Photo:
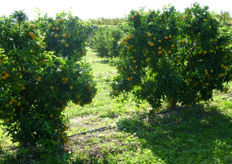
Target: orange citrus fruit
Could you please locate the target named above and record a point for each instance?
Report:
(7, 75)
(32, 26)
(64, 35)
(31, 34)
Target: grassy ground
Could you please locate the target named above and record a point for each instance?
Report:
(202, 134)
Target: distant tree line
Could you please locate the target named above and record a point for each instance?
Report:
(225, 17)
(106, 21)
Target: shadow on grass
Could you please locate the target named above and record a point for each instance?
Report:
(91, 161)
(196, 135)
(105, 61)
(26, 157)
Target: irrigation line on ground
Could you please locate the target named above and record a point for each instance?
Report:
(90, 131)
(85, 132)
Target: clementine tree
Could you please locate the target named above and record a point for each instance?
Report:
(36, 84)
(172, 56)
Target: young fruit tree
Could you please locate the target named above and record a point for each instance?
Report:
(36, 84)
(172, 56)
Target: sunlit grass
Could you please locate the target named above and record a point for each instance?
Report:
(103, 104)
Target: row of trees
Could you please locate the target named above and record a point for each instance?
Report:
(106, 21)
(223, 16)
(105, 40)
(162, 55)
(172, 56)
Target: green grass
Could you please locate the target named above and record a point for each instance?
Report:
(103, 104)
(198, 135)
(202, 134)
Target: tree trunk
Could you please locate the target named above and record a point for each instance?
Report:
(172, 103)
(24, 144)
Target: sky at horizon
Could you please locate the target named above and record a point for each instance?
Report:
(103, 8)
